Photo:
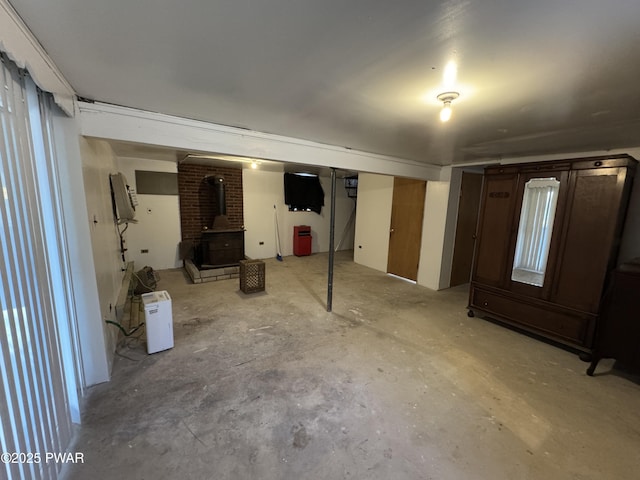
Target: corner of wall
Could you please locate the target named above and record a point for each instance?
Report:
(98, 161)
(450, 228)
(91, 339)
(434, 228)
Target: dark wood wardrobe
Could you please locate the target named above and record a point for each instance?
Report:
(547, 240)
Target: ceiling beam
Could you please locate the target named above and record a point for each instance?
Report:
(131, 125)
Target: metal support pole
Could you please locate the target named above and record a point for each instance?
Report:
(332, 227)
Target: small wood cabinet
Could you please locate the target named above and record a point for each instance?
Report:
(619, 329)
(592, 196)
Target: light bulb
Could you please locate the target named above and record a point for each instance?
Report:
(446, 98)
(254, 165)
(445, 113)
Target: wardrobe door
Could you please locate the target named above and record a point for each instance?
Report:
(592, 225)
(495, 227)
(539, 215)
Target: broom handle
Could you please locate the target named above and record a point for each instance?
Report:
(278, 252)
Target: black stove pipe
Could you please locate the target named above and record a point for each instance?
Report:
(219, 191)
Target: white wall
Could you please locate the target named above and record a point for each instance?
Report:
(158, 217)
(375, 198)
(264, 189)
(159, 231)
(373, 220)
(90, 327)
(433, 234)
(98, 161)
(261, 191)
(453, 205)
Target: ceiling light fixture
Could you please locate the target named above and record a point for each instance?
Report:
(446, 98)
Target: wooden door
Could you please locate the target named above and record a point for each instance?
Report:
(495, 228)
(405, 234)
(522, 288)
(589, 239)
(469, 205)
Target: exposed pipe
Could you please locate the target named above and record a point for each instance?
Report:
(332, 227)
(219, 188)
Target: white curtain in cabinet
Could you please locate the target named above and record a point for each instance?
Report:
(534, 231)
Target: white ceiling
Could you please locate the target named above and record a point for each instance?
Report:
(535, 77)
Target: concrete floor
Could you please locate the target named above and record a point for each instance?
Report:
(396, 383)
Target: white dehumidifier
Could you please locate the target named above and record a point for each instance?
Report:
(158, 321)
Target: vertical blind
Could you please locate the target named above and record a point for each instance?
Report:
(34, 389)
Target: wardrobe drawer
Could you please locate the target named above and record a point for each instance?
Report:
(561, 324)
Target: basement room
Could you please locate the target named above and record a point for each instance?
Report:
(319, 240)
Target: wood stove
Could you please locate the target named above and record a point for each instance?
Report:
(222, 248)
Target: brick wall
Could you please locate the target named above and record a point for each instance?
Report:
(198, 203)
